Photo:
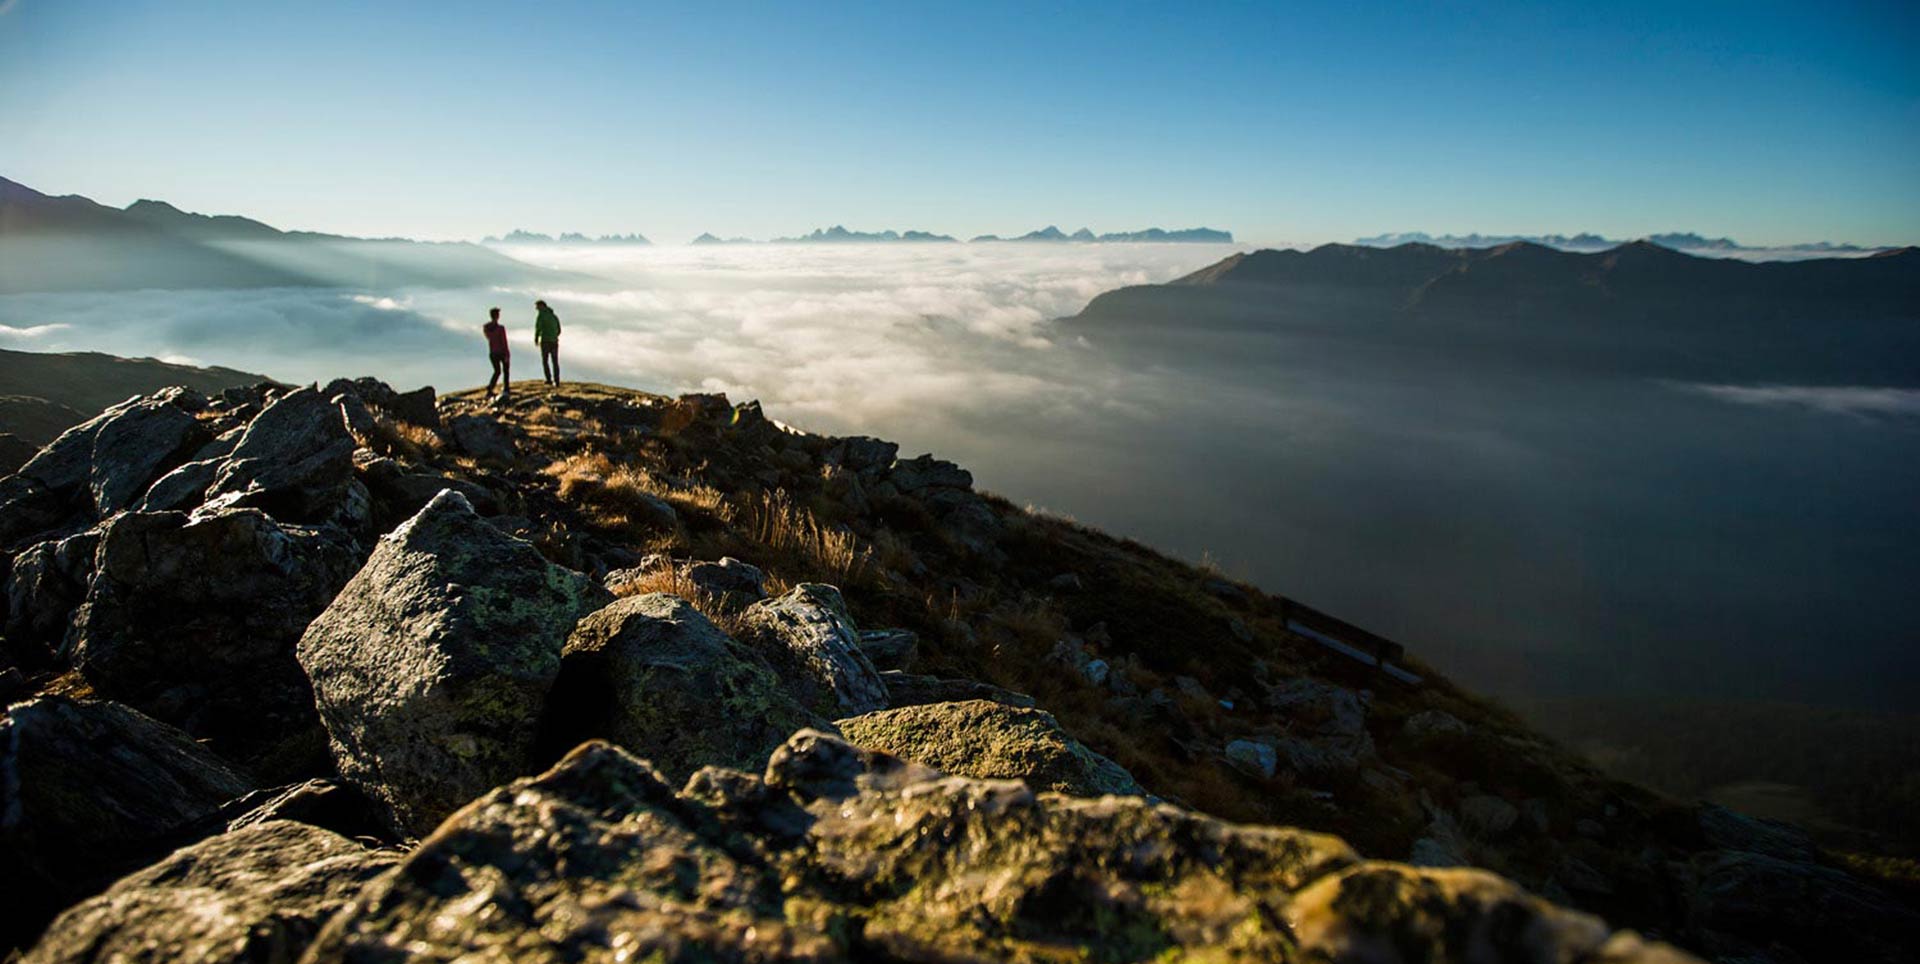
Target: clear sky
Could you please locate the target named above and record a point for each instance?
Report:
(1769, 122)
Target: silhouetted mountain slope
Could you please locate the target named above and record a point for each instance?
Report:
(72, 243)
(1638, 308)
(88, 381)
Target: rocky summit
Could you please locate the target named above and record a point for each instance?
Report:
(344, 673)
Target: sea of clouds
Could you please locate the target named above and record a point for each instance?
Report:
(1534, 533)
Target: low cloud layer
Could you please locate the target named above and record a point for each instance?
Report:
(1540, 534)
(1856, 400)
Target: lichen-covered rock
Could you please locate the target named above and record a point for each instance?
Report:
(1381, 913)
(809, 636)
(988, 740)
(193, 621)
(252, 896)
(431, 666)
(295, 460)
(655, 676)
(836, 853)
(89, 791)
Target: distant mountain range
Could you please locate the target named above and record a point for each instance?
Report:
(1586, 241)
(73, 243)
(1639, 308)
(571, 237)
(1052, 233)
(842, 235)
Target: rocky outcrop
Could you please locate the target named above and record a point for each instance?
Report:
(193, 620)
(482, 437)
(47, 582)
(139, 444)
(1327, 732)
(431, 667)
(836, 853)
(253, 896)
(988, 740)
(890, 649)
(809, 636)
(729, 578)
(89, 791)
(295, 460)
(653, 675)
(1393, 913)
(101, 465)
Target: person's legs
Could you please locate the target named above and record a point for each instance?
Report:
(496, 374)
(506, 376)
(550, 361)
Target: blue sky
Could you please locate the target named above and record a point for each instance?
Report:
(1768, 122)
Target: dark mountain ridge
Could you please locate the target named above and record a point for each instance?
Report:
(1639, 307)
(73, 243)
(1589, 241)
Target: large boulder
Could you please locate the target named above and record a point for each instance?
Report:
(138, 445)
(989, 740)
(46, 582)
(809, 636)
(295, 460)
(483, 438)
(89, 791)
(50, 492)
(193, 620)
(431, 667)
(254, 896)
(652, 674)
(1392, 913)
(836, 853)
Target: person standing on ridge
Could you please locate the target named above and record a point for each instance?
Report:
(497, 352)
(546, 336)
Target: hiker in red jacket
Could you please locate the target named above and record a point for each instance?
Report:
(497, 352)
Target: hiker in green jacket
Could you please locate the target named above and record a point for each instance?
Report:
(546, 335)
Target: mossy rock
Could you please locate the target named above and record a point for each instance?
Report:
(989, 740)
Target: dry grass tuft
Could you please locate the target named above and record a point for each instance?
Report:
(672, 579)
(771, 519)
(404, 440)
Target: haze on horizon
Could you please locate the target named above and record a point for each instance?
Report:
(1774, 124)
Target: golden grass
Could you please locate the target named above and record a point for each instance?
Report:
(771, 519)
(614, 493)
(672, 579)
(405, 440)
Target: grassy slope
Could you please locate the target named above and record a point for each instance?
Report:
(590, 453)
